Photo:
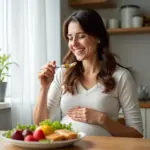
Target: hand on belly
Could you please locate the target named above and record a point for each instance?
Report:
(86, 115)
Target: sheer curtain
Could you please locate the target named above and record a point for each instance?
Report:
(29, 35)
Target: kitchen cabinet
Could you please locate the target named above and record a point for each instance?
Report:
(143, 114)
(148, 123)
(92, 3)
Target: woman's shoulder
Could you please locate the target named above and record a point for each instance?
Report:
(121, 72)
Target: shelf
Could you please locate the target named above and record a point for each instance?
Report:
(4, 105)
(92, 3)
(129, 30)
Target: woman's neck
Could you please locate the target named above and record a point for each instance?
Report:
(91, 67)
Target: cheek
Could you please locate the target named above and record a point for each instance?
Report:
(70, 45)
(92, 46)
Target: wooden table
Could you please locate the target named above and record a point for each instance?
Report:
(96, 143)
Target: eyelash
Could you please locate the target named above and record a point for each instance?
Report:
(80, 37)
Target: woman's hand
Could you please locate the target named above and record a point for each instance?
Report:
(46, 75)
(87, 115)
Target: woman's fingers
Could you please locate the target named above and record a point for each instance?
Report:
(45, 73)
(80, 119)
(52, 64)
(79, 114)
(78, 110)
(48, 69)
(88, 115)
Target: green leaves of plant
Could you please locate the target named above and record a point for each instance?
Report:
(4, 66)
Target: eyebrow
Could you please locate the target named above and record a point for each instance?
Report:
(76, 33)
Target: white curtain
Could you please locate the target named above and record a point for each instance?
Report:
(30, 31)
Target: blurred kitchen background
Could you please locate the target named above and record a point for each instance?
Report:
(131, 44)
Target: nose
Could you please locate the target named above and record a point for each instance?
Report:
(74, 42)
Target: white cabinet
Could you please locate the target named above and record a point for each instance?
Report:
(147, 121)
(143, 114)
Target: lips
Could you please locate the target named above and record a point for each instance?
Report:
(78, 51)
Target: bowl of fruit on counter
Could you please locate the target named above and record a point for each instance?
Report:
(46, 135)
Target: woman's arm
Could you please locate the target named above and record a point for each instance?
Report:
(117, 129)
(50, 94)
(93, 116)
(127, 95)
(41, 112)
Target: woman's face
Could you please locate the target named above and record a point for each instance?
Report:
(82, 45)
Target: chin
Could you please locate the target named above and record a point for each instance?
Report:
(80, 58)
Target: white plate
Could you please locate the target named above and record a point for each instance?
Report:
(42, 144)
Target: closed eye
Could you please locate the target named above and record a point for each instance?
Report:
(81, 36)
(78, 36)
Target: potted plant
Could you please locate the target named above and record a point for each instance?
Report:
(4, 67)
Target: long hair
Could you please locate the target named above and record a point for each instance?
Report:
(92, 24)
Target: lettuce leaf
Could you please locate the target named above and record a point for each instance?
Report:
(23, 127)
(8, 133)
(56, 125)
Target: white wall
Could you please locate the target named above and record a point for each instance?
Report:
(65, 12)
(134, 50)
(53, 30)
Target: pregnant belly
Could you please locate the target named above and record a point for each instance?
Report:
(89, 129)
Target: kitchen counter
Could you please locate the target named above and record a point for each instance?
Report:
(96, 143)
(144, 104)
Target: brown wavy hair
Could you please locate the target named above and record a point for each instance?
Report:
(92, 24)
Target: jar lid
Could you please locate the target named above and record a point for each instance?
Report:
(125, 6)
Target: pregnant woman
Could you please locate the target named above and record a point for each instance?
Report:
(91, 93)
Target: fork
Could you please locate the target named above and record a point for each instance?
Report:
(66, 65)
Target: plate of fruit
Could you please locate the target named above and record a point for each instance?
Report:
(46, 135)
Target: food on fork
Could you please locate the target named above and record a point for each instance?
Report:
(69, 65)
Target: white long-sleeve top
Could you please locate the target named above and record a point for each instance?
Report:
(123, 96)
